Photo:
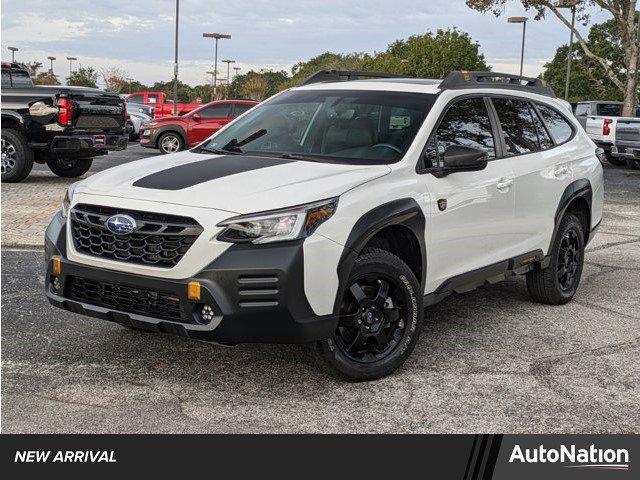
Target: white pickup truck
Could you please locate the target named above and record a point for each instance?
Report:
(618, 136)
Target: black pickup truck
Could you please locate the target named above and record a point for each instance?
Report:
(64, 127)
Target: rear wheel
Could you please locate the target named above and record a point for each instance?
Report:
(380, 320)
(558, 283)
(69, 167)
(17, 157)
(170, 142)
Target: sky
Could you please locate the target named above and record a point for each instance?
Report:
(138, 36)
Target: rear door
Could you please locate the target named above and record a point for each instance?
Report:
(471, 212)
(211, 119)
(532, 136)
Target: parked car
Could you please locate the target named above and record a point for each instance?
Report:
(64, 127)
(599, 119)
(172, 134)
(135, 119)
(627, 142)
(133, 107)
(332, 213)
(161, 106)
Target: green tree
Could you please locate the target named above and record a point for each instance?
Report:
(588, 79)
(83, 77)
(429, 55)
(325, 61)
(624, 25)
(46, 78)
(268, 81)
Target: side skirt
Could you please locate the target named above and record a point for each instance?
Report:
(488, 275)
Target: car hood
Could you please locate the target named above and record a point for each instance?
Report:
(234, 183)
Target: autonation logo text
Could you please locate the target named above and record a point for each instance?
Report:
(592, 457)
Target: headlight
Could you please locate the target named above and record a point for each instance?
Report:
(68, 197)
(278, 225)
(149, 124)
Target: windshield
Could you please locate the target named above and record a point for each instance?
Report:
(344, 126)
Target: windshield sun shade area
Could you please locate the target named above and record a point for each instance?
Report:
(337, 126)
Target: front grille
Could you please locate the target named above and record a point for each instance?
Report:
(159, 240)
(149, 303)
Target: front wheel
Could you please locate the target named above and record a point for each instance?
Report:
(170, 143)
(633, 164)
(69, 167)
(380, 320)
(558, 283)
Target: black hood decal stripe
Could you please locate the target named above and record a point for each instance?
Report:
(190, 174)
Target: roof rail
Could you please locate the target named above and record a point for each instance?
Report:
(461, 79)
(338, 75)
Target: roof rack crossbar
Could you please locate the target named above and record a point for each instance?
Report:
(338, 75)
(461, 79)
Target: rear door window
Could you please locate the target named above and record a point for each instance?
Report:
(518, 130)
(221, 110)
(152, 98)
(543, 134)
(558, 126)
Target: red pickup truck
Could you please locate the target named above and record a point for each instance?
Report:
(161, 106)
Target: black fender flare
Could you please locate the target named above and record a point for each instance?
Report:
(403, 212)
(171, 128)
(578, 189)
(11, 116)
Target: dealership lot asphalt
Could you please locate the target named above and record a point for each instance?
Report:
(487, 361)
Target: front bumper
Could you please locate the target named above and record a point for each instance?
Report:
(257, 294)
(149, 137)
(87, 143)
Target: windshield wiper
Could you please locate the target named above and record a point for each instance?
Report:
(221, 151)
(235, 145)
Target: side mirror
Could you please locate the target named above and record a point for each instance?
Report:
(460, 158)
(196, 117)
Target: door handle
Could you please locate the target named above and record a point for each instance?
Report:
(504, 184)
(560, 171)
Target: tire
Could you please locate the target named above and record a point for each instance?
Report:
(69, 167)
(633, 164)
(618, 162)
(17, 157)
(356, 351)
(548, 285)
(170, 142)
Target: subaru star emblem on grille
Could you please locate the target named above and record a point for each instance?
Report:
(121, 224)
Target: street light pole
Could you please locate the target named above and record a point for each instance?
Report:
(71, 59)
(51, 59)
(216, 37)
(228, 62)
(570, 54)
(175, 64)
(523, 21)
(213, 76)
(13, 51)
(237, 69)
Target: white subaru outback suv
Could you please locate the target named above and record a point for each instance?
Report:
(333, 212)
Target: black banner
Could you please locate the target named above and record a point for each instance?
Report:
(459, 457)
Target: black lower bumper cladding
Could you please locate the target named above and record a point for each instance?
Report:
(256, 294)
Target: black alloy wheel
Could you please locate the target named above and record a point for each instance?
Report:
(569, 260)
(371, 319)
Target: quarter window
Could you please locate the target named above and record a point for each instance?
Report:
(559, 128)
(518, 129)
(466, 123)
